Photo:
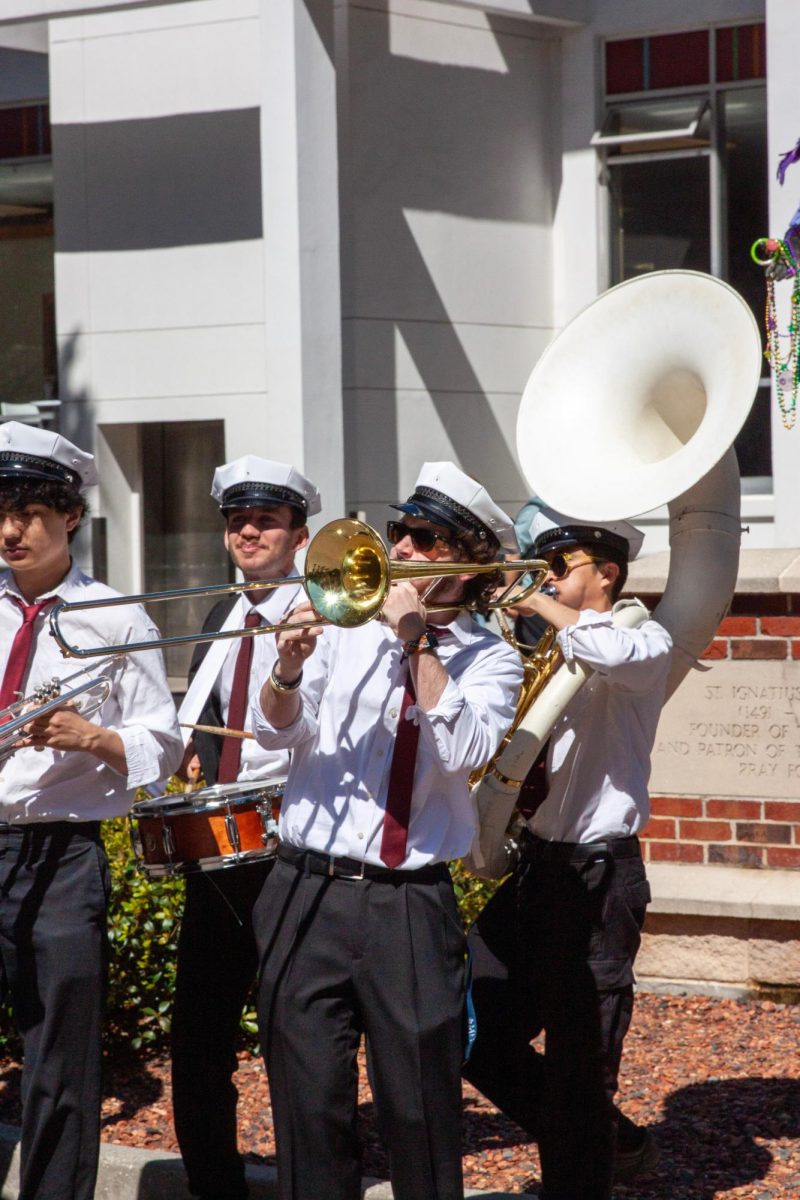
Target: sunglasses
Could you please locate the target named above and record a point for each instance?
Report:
(561, 564)
(421, 539)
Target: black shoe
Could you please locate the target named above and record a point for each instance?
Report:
(643, 1160)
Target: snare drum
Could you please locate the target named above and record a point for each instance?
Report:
(215, 827)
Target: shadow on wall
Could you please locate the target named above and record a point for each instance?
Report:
(458, 141)
(419, 136)
(76, 422)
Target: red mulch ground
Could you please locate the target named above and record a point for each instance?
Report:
(717, 1080)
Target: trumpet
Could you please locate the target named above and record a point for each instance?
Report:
(47, 697)
(347, 579)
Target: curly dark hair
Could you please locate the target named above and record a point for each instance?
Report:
(62, 497)
(479, 591)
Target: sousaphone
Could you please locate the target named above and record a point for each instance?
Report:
(636, 404)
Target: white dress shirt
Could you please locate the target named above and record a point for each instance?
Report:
(55, 785)
(257, 763)
(344, 737)
(598, 760)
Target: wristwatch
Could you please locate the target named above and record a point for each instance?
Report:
(426, 641)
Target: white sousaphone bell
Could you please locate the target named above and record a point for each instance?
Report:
(644, 391)
(636, 404)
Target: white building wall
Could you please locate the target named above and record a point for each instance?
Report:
(153, 311)
(197, 261)
(448, 191)
(159, 289)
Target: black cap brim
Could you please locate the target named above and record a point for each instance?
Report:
(593, 536)
(433, 506)
(428, 512)
(16, 468)
(260, 495)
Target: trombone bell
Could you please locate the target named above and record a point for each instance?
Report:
(347, 575)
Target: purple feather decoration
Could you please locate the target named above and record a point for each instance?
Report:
(791, 156)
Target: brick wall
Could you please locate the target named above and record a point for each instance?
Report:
(741, 832)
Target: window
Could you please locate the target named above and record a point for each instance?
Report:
(684, 139)
(183, 529)
(28, 357)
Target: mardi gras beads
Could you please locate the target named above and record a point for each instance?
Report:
(777, 254)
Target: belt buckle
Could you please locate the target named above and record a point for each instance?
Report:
(341, 875)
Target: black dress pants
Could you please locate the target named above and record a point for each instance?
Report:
(54, 887)
(553, 950)
(217, 965)
(341, 958)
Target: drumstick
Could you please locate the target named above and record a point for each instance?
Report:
(240, 733)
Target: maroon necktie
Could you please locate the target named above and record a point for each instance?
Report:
(535, 787)
(11, 687)
(401, 776)
(401, 783)
(231, 757)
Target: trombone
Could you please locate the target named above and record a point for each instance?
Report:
(347, 579)
(49, 696)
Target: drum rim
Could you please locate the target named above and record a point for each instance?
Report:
(197, 866)
(172, 803)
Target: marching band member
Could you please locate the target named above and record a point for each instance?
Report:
(69, 773)
(357, 925)
(554, 948)
(265, 505)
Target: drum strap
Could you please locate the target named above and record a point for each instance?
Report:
(200, 688)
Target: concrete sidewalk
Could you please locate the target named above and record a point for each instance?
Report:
(129, 1174)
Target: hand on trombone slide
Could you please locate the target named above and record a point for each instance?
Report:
(297, 641)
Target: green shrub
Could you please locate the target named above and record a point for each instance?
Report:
(144, 920)
(471, 893)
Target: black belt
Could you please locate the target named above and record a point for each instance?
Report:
(90, 829)
(536, 849)
(315, 863)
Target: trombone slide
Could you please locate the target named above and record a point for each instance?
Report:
(348, 577)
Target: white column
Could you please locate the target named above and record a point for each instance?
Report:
(299, 163)
(783, 55)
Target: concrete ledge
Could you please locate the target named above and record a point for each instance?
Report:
(690, 987)
(759, 571)
(129, 1174)
(718, 891)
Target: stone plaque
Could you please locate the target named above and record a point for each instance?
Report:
(731, 731)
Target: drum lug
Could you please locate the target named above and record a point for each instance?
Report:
(232, 830)
(136, 840)
(168, 841)
(269, 828)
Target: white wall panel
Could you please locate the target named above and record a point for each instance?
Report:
(448, 298)
(455, 357)
(207, 67)
(174, 288)
(133, 16)
(621, 18)
(245, 412)
(491, 271)
(444, 144)
(166, 362)
(389, 442)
